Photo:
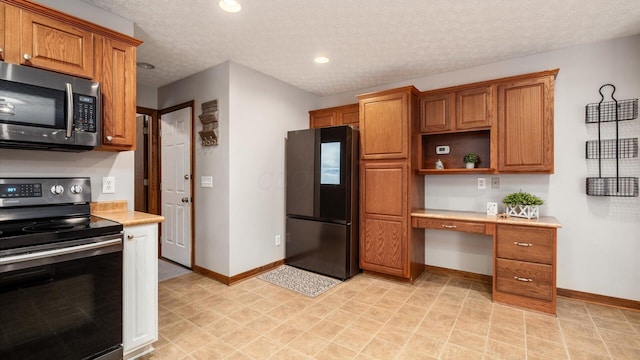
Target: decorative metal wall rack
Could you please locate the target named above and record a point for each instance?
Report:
(611, 111)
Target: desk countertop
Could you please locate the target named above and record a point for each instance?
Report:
(117, 211)
(543, 221)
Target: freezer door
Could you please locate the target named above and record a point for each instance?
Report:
(300, 168)
(321, 247)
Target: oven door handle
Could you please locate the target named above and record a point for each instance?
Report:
(69, 110)
(59, 252)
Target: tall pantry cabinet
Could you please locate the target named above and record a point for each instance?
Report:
(389, 185)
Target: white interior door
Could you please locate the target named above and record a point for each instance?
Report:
(175, 142)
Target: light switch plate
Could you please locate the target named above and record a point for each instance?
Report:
(206, 181)
(492, 208)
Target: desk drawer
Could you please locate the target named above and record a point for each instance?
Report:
(451, 225)
(525, 279)
(525, 243)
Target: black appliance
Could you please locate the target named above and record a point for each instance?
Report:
(60, 273)
(322, 201)
(47, 111)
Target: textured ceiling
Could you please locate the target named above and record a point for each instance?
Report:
(369, 42)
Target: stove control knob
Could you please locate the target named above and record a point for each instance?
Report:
(57, 189)
(76, 189)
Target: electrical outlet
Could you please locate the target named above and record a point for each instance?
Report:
(482, 183)
(108, 185)
(278, 240)
(495, 183)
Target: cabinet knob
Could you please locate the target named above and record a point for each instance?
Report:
(0, 50)
(109, 138)
(129, 236)
(26, 57)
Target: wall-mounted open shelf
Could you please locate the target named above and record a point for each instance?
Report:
(460, 143)
(611, 111)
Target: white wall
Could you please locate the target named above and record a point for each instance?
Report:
(262, 110)
(211, 204)
(598, 245)
(93, 164)
(146, 96)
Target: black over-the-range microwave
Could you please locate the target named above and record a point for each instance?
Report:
(45, 110)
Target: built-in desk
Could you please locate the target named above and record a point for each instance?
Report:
(524, 253)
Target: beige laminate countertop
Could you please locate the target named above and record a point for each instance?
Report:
(117, 211)
(543, 221)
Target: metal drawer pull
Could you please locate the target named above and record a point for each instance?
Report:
(523, 279)
(523, 244)
(449, 226)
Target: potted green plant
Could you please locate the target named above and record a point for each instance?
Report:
(522, 204)
(470, 159)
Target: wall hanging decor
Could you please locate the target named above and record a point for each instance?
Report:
(612, 111)
(209, 120)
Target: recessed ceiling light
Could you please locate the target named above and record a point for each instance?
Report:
(321, 60)
(145, 65)
(231, 6)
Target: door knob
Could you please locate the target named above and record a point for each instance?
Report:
(186, 177)
(185, 199)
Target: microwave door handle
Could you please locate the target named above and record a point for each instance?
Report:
(69, 110)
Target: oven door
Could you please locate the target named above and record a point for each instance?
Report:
(63, 303)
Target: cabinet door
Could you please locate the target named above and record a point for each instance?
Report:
(525, 126)
(435, 113)
(118, 87)
(140, 282)
(349, 115)
(383, 237)
(322, 118)
(384, 127)
(2, 31)
(53, 45)
(473, 108)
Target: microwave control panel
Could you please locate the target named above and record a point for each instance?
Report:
(84, 113)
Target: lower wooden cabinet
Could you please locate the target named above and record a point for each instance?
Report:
(140, 289)
(525, 267)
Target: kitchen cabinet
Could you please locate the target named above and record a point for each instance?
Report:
(389, 187)
(55, 41)
(335, 116)
(456, 110)
(116, 61)
(525, 267)
(140, 288)
(385, 124)
(54, 45)
(2, 31)
(525, 125)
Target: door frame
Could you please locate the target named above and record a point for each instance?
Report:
(152, 160)
(157, 161)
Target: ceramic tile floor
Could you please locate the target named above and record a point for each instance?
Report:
(367, 317)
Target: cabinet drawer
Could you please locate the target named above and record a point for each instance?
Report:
(451, 225)
(525, 279)
(526, 243)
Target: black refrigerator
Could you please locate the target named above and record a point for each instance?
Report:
(322, 201)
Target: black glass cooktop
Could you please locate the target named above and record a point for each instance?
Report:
(23, 233)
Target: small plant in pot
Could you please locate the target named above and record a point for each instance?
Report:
(470, 159)
(522, 204)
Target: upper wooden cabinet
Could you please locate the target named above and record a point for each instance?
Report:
(117, 62)
(456, 110)
(525, 125)
(2, 31)
(436, 112)
(339, 115)
(38, 36)
(54, 45)
(385, 123)
(473, 108)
